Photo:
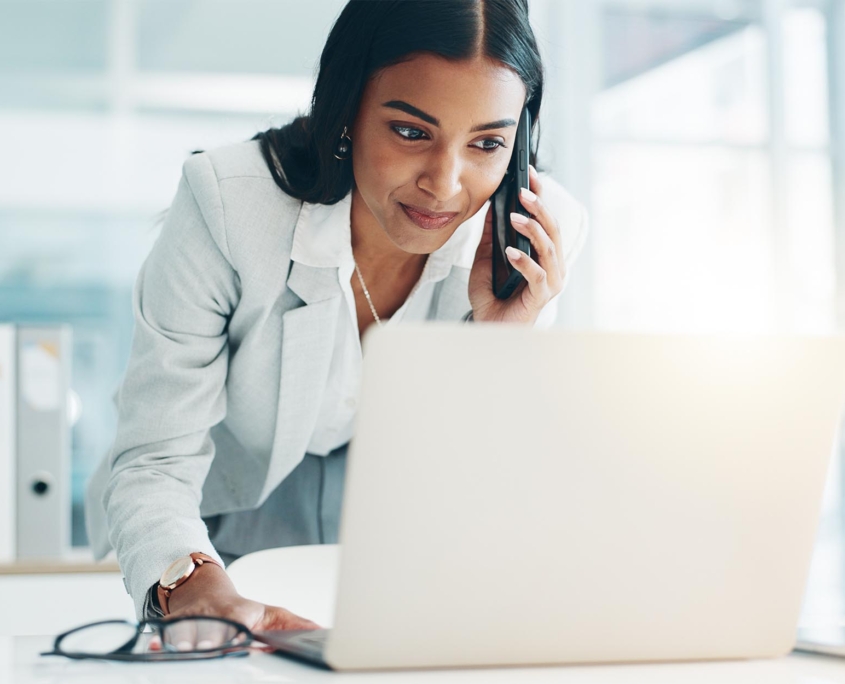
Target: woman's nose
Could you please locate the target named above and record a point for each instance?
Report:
(442, 177)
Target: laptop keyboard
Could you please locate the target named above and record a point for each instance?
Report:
(316, 639)
(307, 644)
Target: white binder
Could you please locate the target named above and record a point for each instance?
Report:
(43, 451)
(8, 419)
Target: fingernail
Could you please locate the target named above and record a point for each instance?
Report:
(519, 218)
(527, 194)
(513, 253)
(205, 645)
(184, 646)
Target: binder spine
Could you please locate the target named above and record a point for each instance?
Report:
(8, 443)
(44, 457)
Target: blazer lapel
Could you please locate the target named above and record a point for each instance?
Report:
(453, 298)
(308, 339)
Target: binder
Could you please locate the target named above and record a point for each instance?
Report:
(43, 442)
(8, 419)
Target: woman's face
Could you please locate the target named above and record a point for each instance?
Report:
(436, 135)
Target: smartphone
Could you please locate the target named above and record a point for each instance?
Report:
(505, 200)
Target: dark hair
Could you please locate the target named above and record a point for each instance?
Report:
(370, 35)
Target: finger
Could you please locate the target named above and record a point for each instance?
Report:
(265, 648)
(213, 634)
(279, 618)
(487, 233)
(484, 251)
(154, 644)
(543, 247)
(180, 636)
(534, 275)
(535, 206)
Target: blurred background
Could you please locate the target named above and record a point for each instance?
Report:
(706, 137)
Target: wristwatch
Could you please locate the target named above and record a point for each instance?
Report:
(177, 573)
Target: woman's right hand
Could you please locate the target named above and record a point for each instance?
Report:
(210, 592)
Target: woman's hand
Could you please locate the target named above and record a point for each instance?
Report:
(210, 592)
(544, 271)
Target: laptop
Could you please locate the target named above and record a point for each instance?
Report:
(525, 497)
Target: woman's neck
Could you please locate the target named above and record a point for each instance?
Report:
(373, 251)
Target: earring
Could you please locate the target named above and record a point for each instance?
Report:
(344, 148)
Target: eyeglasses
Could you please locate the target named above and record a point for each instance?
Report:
(182, 638)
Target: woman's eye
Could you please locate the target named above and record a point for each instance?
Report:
(399, 130)
(496, 145)
(411, 133)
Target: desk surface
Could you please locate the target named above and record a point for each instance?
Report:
(21, 664)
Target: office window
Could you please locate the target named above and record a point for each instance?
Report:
(713, 189)
(712, 192)
(227, 36)
(101, 101)
(49, 36)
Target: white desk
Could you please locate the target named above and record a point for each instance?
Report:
(302, 579)
(20, 664)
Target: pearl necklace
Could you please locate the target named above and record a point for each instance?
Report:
(367, 292)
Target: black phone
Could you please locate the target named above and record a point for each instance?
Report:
(505, 200)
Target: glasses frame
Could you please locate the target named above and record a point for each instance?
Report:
(124, 653)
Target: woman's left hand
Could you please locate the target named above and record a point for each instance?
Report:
(544, 271)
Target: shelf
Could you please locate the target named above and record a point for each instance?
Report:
(57, 567)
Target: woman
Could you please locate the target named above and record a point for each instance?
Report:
(275, 257)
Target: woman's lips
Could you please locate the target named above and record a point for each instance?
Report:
(426, 220)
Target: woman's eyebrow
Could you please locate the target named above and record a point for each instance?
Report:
(428, 118)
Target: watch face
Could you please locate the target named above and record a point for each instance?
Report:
(177, 570)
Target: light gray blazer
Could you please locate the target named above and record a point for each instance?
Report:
(230, 356)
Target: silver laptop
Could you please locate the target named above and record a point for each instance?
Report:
(517, 496)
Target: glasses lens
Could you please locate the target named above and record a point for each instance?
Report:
(200, 634)
(99, 639)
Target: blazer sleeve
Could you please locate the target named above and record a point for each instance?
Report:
(573, 222)
(174, 389)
